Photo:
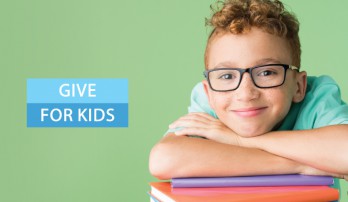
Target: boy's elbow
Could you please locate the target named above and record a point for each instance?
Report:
(160, 163)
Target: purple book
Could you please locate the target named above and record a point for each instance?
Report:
(253, 181)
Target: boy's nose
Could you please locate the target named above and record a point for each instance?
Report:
(247, 90)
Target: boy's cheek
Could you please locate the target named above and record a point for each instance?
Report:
(219, 101)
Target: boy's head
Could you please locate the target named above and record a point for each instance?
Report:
(260, 39)
(239, 16)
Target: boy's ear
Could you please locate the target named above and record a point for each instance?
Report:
(207, 92)
(301, 82)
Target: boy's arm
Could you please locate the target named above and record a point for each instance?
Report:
(324, 148)
(181, 156)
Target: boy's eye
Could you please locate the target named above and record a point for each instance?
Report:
(267, 73)
(226, 76)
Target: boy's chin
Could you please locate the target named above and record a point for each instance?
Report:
(247, 135)
(248, 128)
(250, 132)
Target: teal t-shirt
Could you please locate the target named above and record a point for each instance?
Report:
(322, 105)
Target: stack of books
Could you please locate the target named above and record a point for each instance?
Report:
(270, 188)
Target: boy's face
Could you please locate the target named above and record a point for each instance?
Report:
(250, 111)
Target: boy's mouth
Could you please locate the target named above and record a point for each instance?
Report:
(249, 112)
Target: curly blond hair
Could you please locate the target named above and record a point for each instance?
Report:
(239, 16)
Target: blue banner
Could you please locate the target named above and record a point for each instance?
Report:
(77, 90)
(77, 103)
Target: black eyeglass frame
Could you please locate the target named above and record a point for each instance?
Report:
(249, 70)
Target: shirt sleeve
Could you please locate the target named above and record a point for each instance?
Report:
(323, 105)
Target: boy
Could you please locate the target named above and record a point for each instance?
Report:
(256, 111)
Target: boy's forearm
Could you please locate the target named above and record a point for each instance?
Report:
(323, 148)
(181, 156)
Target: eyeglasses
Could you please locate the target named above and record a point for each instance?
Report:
(264, 76)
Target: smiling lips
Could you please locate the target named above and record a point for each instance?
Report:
(249, 112)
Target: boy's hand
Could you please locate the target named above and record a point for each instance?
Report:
(204, 125)
(307, 170)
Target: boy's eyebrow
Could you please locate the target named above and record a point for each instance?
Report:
(257, 63)
(267, 61)
(224, 64)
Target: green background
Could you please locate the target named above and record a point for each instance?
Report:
(158, 46)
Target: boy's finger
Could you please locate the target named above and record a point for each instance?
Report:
(203, 115)
(191, 131)
(193, 119)
(188, 123)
